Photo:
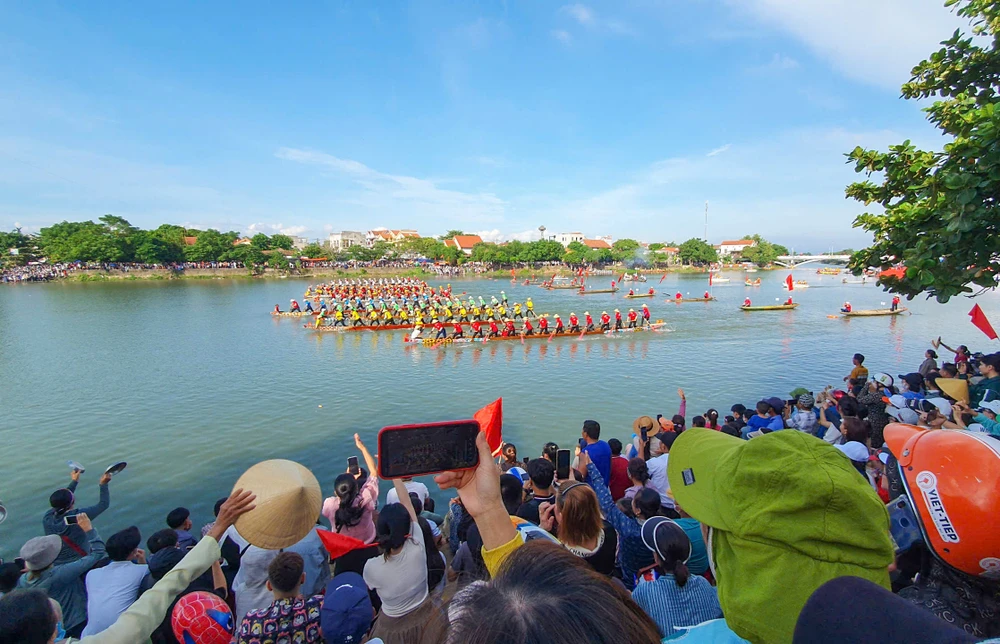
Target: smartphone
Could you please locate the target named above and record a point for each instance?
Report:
(352, 465)
(70, 519)
(562, 464)
(430, 448)
(903, 525)
(526, 459)
(583, 444)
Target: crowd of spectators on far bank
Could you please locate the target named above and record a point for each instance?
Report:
(865, 513)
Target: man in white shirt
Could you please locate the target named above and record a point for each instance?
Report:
(411, 486)
(657, 467)
(113, 588)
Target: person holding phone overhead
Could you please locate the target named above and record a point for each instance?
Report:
(352, 508)
(598, 451)
(75, 543)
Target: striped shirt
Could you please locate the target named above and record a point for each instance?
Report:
(671, 606)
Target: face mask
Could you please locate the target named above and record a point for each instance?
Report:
(60, 632)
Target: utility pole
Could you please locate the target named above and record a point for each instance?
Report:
(706, 222)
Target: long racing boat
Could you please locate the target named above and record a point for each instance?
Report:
(361, 327)
(600, 290)
(691, 299)
(870, 313)
(431, 342)
(772, 307)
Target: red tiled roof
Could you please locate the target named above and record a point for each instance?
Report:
(596, 243)
(671, 249)
(739, 242)
(190, 241)
(467, 241)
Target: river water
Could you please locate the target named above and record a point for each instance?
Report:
(192, 382)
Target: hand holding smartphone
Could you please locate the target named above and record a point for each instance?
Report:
(430, 448)
(352, 466)
(562, 464)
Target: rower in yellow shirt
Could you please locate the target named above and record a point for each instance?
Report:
(517, 310)
(463, 314)
(530, 306)
(355, 318)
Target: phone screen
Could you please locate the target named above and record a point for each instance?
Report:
(903, 525)
(562, 464)
(414, 450)
(352, 465)
(71, 519)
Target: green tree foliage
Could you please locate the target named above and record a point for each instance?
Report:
(22, 244)
(655, 246)
(281, 241)
(451, 233)
(278, 261)
(697, 251)
(211, 246)
(427, 247)
(262, 241)
(313, 251)
(939, 214)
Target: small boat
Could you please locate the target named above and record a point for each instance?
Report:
(634, 278)
(870, 313)
(721, 280)
(828, 271)
(365, 327)
(692, 299)
(431, 342)
(751, 270)
(556, 287)
(638, 295)
(802, 284)
(755, 282)
(600, 290)
(297, 314)
(772, 307)
(860, 281)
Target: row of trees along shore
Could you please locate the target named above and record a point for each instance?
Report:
(113, 239)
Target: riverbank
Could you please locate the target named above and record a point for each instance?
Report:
(545, 272)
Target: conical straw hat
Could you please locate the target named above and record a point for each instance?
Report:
(288, 503)
(954, 388)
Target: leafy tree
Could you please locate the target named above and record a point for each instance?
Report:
(423, 246)
(626, 245)
(313, 251)
(697, 251)
(939, 209)
(451, 233)
(655, 246)
(211, 246)
(281, 241)
(362, 253)
(762, 254)
(83, 241)
(599, 256)
(781, 250)
(262, 242)
(19, 242)
(278, 261)
(453, 256)
(150, 248)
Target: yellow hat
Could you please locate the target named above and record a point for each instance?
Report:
(617, 311)
(556, 315)
(288, 503)
(954, 388)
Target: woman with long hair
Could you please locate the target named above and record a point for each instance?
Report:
(712, 420)
(352, 508)
(576, 519)
(638, 473)
(675, 598)
(400, 575)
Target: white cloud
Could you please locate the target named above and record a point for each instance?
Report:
(562, 36)
(493, 236)
(778, 63)
(293, 230)
(875, 42)
(527, 235)
(421, 198)
(717, 151)
(581, 13)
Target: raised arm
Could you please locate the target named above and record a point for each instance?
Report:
(369, 459)
(682, 410)
(103, 502)
(822, 417)
(404, 498)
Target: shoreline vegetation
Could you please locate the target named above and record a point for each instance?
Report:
(166, 274)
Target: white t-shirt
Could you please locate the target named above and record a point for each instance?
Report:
(110, 591)
(401, 581)
(411, 486)
(658, 478)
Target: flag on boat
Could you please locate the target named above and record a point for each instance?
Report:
(490, 420)
(790, 283)
(982, 323)
(665, 277)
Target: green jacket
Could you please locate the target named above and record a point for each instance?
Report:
(977, 392)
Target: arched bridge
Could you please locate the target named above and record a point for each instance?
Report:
(791, 261)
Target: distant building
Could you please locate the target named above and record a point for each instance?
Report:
(464, 243)
(728, 248)
(345, 239)
(596, 244)
(190, 241)
(568, 238)
(243, 241)
(607, 238)
(389, 236)
(298, 243)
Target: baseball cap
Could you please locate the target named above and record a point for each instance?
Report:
(991, 405)
(941, 404)
(667, 439)
(884, 379)
(914, 380)
(783, 510)
(519, 472)
(777, 404)
(904, 415)
(347, 609)
(854, 450)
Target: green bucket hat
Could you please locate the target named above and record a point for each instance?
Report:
(788, 513)
(798, 391)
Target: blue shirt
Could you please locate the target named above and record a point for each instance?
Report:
(600, 455)
(698, 562)
(671, 606)
(633, 555)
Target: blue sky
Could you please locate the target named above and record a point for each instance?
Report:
(618, 118)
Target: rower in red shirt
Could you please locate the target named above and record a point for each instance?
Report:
(651, 291)
(459, 333)
(574, 323)
(707, 295)
(543, 325)
(441, 331)
(527, 329)
(295, 307)
(618, 319)
(788, 302)
(895, 302)
(559, 323)
(678, 297)
(508, 328)
(631, 292)
(589, 320)
(494, 331)
(605, 321)
(747, 302)
(632, 317)
(477, 329)
(645, 314)
(277, 308)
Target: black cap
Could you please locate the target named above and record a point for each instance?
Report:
(667, 439)
(914, 380)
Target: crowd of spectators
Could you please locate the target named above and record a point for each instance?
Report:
(858, 514)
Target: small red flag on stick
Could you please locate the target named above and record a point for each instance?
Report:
(490, 420)
(789, 282)
(982, 323)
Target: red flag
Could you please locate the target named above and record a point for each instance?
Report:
(710, 278)
(490, 419)
(790, 283)
(983, 324)
(339, 545)
(665, 277)
(512, 272)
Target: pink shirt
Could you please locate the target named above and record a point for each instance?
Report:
(367, 499)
